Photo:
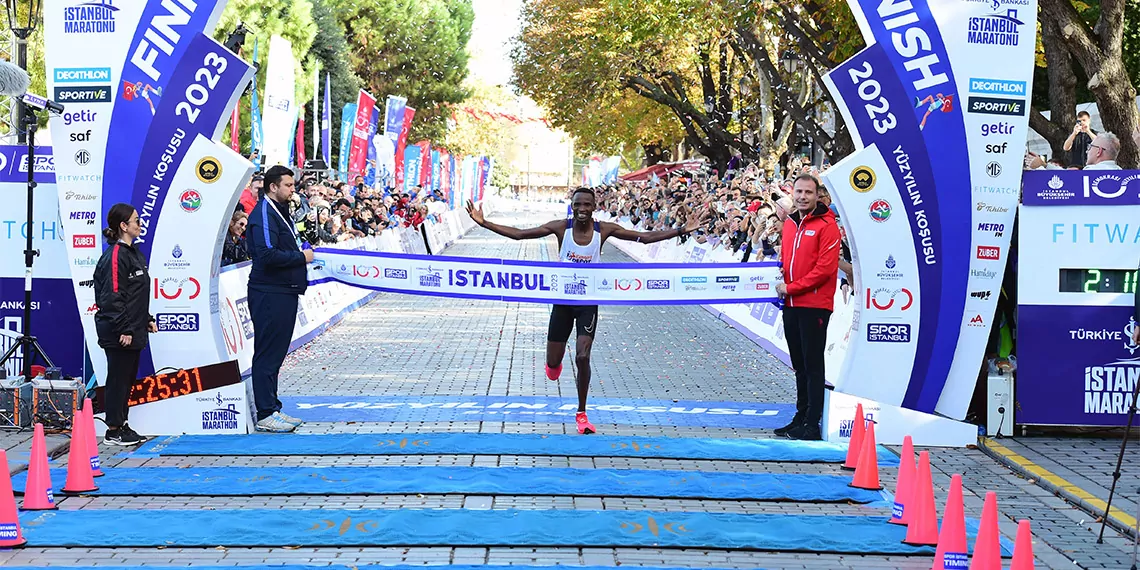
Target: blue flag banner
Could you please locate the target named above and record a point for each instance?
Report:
(255, 133)
(347, 119)
(326, 126)
(370, 161)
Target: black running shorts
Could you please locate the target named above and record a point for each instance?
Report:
(563, 318)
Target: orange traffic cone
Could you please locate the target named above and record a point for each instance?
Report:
(867, 473)
(1023, 548)
(922, 530)
(904, 488)
(79, 477)
(855, 446)
(987, 547)
(952, 552)
(92, 442)
(10, 535)
(37, 491)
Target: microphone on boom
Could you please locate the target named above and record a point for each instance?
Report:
(14, 82)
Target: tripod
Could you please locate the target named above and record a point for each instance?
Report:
(31, 347)
(1119, 462)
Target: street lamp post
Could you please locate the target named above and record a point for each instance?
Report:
(22, 28)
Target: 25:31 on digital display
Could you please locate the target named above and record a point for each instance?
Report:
(1097, 281)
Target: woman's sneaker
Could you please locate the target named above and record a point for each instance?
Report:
(584, 425)
(275, 424)
(123, 437)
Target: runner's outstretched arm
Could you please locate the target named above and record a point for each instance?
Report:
(613, 230)
(549, 228)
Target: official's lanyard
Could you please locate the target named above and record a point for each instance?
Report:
(292, 231)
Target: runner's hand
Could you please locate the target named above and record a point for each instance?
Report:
(475, 212)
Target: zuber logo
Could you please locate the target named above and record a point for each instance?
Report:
(728, 279)
(989, 252)
(694, 280)
(83, 241)
(395, 273)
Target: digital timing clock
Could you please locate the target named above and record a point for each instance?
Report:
(167, 385)
(1097, 281)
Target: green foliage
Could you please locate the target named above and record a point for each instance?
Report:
(330, 49)
(413, 48)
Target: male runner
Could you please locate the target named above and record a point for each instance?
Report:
(580, 240)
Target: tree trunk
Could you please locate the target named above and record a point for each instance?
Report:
(653, 153)
(1062, 91)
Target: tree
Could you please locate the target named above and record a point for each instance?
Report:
(695, 59)
(290, 19)
(330, 49)
(483, 136)
(1098, 50)
(412, 48)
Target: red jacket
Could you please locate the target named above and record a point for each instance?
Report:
(810, 254)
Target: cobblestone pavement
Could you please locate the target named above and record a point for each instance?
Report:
(400, 345)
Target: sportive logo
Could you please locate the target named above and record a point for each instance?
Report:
(885, 299)
(997, 229)
(885, 332)
(890, 273)
(176, 322)
(862, 179)
(989, 252)
(208, 170)
(998, 87)
(657, 284)
(984, 207)
(976, 321)
(983, 295)
(628, 284)
(83, 241)
(880, 210)
(995, 29)
(93, 17)
(996, 106)
(83, 75)
(190, 200)
(395, 273)
(993, 169)
(85, 94)
(174, 288)
(996, 129)
(728, 279)
(694, 280)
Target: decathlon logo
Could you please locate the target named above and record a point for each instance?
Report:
(998, 87)
(83, 75)
(694, 280)
(884, 299)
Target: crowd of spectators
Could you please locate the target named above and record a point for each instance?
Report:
(330, 211)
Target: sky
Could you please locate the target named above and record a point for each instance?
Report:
(496, 23)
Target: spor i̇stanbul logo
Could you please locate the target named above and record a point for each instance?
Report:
(880, 210)
(190, 200)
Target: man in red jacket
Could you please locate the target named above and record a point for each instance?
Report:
(810, 256)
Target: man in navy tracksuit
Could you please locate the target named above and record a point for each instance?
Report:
(278, 278)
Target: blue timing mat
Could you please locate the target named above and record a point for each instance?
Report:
(507, 444)
(98, 528)
(251, 481)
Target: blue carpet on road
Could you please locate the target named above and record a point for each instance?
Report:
(506, 444)
(536, 409)
(464, 527)
(539, 481)
(352, 567)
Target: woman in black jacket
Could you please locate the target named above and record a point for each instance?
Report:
(122, 293)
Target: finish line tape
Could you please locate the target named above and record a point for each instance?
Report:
(547, 282)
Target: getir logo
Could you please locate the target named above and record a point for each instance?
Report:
(84, 241)
(989, 252)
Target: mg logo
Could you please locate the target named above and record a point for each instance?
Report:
(993, 169)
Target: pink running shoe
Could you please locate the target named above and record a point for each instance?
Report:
(584, 425)
(553, 373)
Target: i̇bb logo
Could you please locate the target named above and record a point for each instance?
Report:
(83, 241)
(172, 288)
(989, 252)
